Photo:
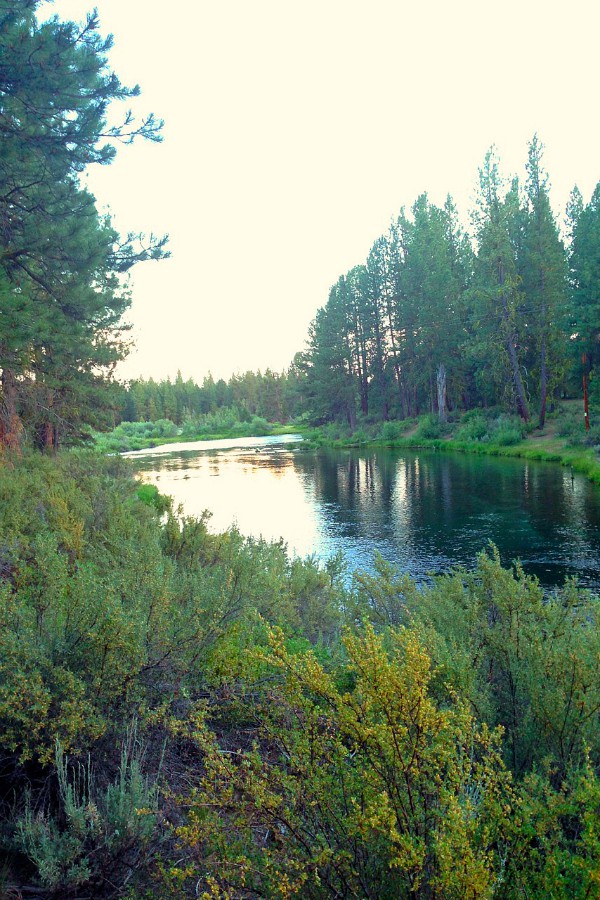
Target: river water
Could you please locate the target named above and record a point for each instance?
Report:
(424, 511)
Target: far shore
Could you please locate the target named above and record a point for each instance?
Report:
(544, 445)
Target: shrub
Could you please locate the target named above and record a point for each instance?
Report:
(391, 789)
(502, 430)
(94, 835)
(507, 435)
(151, 496)
(429, 428)
(473, 428)
(391, 431)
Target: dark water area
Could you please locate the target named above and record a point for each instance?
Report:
(424, 511)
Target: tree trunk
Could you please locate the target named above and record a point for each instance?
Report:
(543, 382)
(543, 349)
(586, 406)
(394, 349)
(517, 380)
(351, 413)
(441, 392)
(512, 351)
(11, 428)
(45, 437)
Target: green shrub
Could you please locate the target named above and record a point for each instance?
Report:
(473, 428)
(391, 431)
(507, 436)
(151, 496)
(429, 428)
(259, 426)
(108, 613)
(501, 429)
(94, 835)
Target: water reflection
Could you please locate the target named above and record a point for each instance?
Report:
(423, 511)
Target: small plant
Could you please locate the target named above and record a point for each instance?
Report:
(151, 496)
(94, 831)
(474, 428)
(429, 428)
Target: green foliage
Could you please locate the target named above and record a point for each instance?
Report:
(391, 431)
(473, 428)
(215, 408)
(502, 430)
(150, 495)
(95, 835)
(375, 792)
(224, 422)
(571, 425)
(508, 319)
(525, 661)
(429, 428)
(454, 721)
(135, 436)
(60, 260)
(555, 846)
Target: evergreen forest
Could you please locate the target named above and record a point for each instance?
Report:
(440, 319)
(190, 714)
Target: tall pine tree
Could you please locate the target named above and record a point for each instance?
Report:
(60, 261)
(544, 272)
(496, 290)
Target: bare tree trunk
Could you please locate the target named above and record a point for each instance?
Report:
(441, 392)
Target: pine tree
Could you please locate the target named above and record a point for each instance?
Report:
(496, 284)
(544, 277)
(60, 261)
(584, 264)
(331, 382)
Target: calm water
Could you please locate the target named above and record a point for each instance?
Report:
(423, 511)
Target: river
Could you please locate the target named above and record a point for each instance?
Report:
(422, 510)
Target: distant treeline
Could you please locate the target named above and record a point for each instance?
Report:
(273, 396)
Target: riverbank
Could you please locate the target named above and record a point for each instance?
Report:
(132, 436)
(533, 447)
(562, 440)
(481, 432)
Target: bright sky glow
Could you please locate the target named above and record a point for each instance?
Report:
(296, 131)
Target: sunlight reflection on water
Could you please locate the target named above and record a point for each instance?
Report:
(424, 512)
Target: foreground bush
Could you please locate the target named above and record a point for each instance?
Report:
(369, 792)
(448, 746)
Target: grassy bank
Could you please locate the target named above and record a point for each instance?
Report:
(130, 436)
(563, 440)
(482, 432)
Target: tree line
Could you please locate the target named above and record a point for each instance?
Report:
(440, 319)
(274, 396)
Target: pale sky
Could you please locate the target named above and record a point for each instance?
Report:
(295, 132)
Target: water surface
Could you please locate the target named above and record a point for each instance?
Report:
(424, 511)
